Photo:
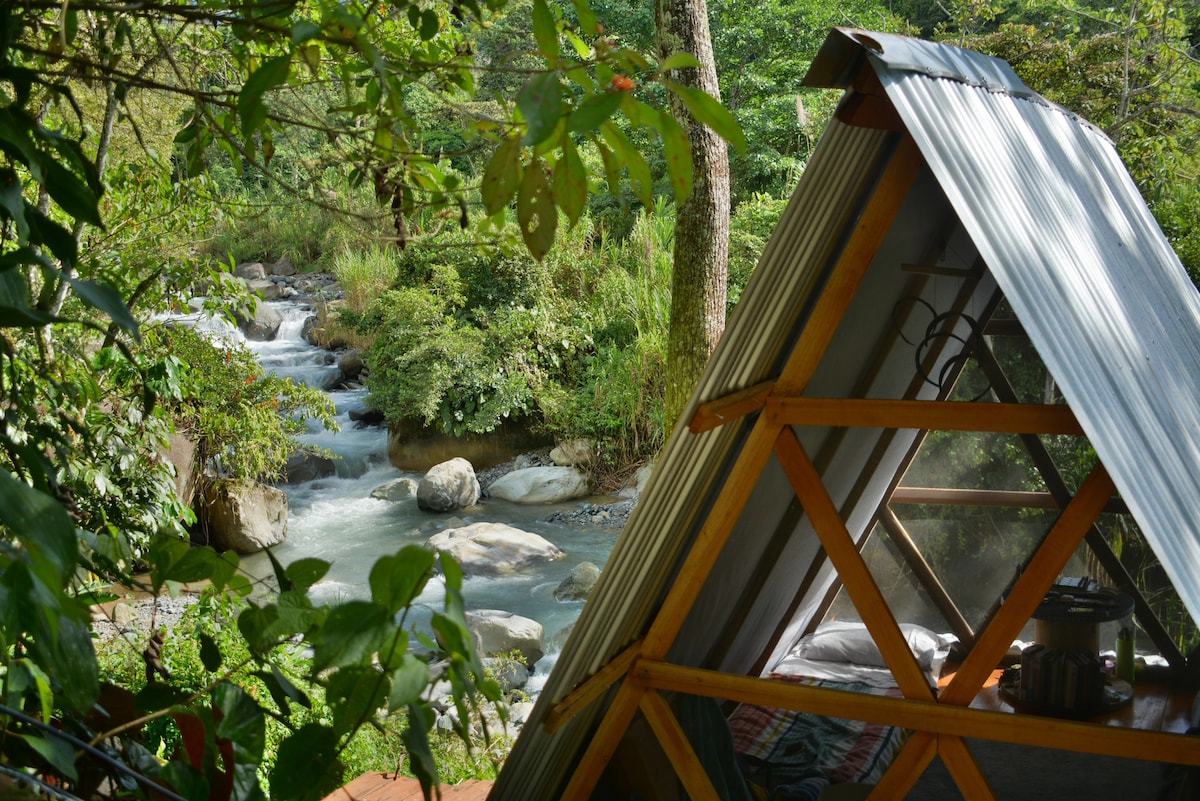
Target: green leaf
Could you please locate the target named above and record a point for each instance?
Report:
(397, 580)
(536, 214)
(678, 151)
(501, 176)
(210, 654)
(306, 572)
(570, 182)
(639, 170)
(108, 300)
(12, 201)
(304, 30)
(55, 750)
(354, 695)
(282, 690)
(351, 634)
(409, 680)
(429, 25)
(679, 61)
(545, 31)
(241, 721)
(47, 532)
(281, 577)
(250, 106)
(709, 111)
(593, 111)
(75, 666)
(416, 742)
(307, 766)
(612, 169)
(540, 102)
(186, 780)
(44, 231)
(587, 18)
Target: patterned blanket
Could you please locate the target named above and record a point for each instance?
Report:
(788, 754)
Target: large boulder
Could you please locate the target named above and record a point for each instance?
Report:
(250, 270)
(283, 267)
(573, 452)
(399, 489)
(302, 467)
(351, 364)
(262, 325)
(493, 548)
(497, 632)
(243, 516)
(540, 485)
(448, 486)
(265, 289)
(578, 585)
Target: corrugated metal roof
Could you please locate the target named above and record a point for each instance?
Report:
(1043, 199)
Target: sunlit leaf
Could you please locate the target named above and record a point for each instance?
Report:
(587, 18)
(501, 176)
(536, 213)
(397, 580)
(570, 182)
(306, 572)
(627, 154)
(48, 532)
(409, 680)
(612, 169)
(108, 300)
(355, 694)
(678, 151)
(351, 634)
(678, 61)
(540, 102)
(594, 110)
(709, 111)
(251, 107)
(545, 31)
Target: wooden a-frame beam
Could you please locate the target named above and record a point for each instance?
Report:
(873, 223)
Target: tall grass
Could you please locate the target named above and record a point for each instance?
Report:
(365, 273)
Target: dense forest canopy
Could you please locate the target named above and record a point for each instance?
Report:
(494, 184)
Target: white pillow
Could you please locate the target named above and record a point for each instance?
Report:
(851, 642)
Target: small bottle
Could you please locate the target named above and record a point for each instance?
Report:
(1125, 653)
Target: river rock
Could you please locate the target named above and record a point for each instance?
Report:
(498, 632)
(351, 364)
(262, 325)
(265, 289)
(578, 585)
(633, 488)
(362, 416)
(448, 486)
(493, 548)
(244, 516)
(573, 452)
(250, 270)
(302, 467)
(283, 267)
(399, 489)
(540, 485)
(510, 674)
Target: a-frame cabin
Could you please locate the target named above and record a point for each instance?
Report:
(946, 208)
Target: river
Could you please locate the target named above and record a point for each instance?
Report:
(337, 520)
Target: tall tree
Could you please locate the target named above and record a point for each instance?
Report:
(701, 270)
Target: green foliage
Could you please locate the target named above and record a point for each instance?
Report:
(364, 275)
(244, 421)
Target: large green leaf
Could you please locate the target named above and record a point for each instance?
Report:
(43, 527)
(639, 170)
(306, 766)
(75, 667)
(351, 634)
(416, 743)
(354, 695)
(397, 580)
(570, 182)
(594, 110)
(241, 721)
(250, 106)
(501, 176)
(545, 31)
(709, 111)
(107, 300)
(409, 680)
(73, 195)
(540, 102)
(587, 18)
(678, 151)
(12, 201)
(536, 213)
(306, 572)
(55, 750)
(57, 239)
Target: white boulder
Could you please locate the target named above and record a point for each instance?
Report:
(492, 548)
(540, 485)
(448, 486)
(498, 632)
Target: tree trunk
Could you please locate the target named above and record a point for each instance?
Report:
(700, 276)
